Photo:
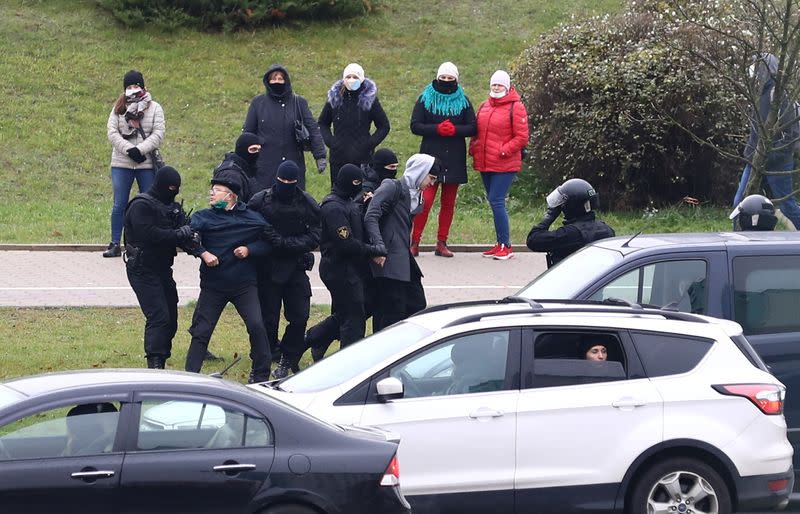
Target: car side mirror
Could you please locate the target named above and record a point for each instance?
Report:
(389, 388)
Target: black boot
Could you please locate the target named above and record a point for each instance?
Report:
(212, 358)
(156, 362)
(113, 250)
(256, 377)
(282, 371)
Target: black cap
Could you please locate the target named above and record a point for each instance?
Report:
(131, 78)
(229, 179)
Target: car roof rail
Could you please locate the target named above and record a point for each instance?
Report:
(473, 303)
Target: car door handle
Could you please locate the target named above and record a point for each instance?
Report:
(486, 413)
(92, 475)
(628, 402)
(234, 468)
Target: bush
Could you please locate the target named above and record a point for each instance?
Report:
(606, 101)
(227, 15)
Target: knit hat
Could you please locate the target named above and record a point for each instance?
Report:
(131, 78)
(502, 78)
(447, 68)
(587, 344)
(354, 69)
(230, 179)
(288, 170)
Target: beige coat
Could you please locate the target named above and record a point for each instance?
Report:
(119, 130)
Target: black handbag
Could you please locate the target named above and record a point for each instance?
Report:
(301, 133)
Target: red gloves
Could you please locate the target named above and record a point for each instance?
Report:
(446, 128)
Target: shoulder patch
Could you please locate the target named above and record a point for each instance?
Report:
(344, 232)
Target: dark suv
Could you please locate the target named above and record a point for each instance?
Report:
(752, 278)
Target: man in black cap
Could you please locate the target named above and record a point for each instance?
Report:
(231, 236)
(243, 161)
(343, 266)
(293, 232)
(154, 225)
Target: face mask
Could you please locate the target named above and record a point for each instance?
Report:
(284, 191)
(277, 88)
(497, 95)
(445, 86)
(220, 204)
(133, 93)
(352, 84)
(384, 173)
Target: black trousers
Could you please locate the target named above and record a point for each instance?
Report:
(348, 320)
(396, 300)
(158, 298)
(209, 307)
(295, 295)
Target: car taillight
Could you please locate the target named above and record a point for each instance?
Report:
(767, 397)
(391, 477)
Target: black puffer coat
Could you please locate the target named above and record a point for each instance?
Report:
(272, 117)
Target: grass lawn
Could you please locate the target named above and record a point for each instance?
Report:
(63, 66)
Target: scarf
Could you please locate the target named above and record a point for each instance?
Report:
(136, 108)
(442, 104)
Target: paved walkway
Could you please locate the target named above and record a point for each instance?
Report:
(81, 278)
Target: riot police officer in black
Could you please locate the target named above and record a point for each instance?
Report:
(754, 213)
(577, 200)
(293, 232)
(242, 161)
(154, 225)
(343, 266)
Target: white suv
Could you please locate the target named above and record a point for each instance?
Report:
(500, 412)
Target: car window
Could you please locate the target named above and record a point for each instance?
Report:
(180, 425)
(680, 284)
(663, 354)
(72, 430)
(473, 363)
(564, 358)
(767, 293)
(568, 278)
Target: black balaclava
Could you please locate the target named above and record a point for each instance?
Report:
(245, 140)
(131, 78)
(287, 170)
(380, 160)
(344, 180)
(167, 184)
(446, 87)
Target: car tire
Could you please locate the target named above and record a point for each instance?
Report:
(679, 481)
(290, 508)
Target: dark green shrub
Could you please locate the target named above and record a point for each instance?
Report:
(606, 101)
(227, 15)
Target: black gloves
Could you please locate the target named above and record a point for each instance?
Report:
(273, 238)
(183, 233)
(136, 155)
(549, 217)
(378, 250)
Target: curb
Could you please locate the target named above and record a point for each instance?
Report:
(79, 247)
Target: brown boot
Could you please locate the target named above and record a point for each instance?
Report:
(415, 248)
(442, 250)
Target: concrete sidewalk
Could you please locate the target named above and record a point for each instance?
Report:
(34, 278)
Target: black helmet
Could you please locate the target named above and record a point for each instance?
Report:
(575, 196)
(755, 212)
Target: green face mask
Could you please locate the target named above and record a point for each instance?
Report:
(219, 204)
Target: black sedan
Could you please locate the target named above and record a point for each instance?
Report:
(150, 441)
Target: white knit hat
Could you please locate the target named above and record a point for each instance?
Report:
(502, 78)
(447, 68)
(354, 69)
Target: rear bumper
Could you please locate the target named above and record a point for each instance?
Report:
(754, 491)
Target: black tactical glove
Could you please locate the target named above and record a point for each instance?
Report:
(378, 250)
(273, 238)
(136, 155)
(549, 217)
(183, 233)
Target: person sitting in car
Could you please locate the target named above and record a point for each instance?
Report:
(593, 351)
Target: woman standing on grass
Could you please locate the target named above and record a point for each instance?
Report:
(135, 128)
(497, 153)
(444, 117)
(351, 110)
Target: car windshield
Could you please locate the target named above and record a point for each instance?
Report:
(9, 396)
(356, 358)
(570, 276)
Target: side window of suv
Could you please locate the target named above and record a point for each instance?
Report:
(767, 293)
(572, 358)
(677, 283)
(663, 354)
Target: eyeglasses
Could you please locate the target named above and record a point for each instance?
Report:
(213, 191)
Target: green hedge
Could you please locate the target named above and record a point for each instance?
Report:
(606, 98)
(227, 15)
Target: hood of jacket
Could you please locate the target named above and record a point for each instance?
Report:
(366, 94)
(511, 97)
(417, 168)
(278, 67)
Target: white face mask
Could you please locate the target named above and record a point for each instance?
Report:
(500, 94)
(132, 92)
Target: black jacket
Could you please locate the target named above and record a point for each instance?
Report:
(569, 238)
(342, 245)
(451, 151)
(272, 118)
(150, 226)
(231, 161)
(346, 120)
(293, 231)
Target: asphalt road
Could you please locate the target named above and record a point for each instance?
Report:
(81, 278)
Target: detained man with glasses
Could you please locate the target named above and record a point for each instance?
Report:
(231, 236)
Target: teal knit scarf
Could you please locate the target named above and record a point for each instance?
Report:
(442, 104)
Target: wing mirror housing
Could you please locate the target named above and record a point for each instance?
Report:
(389, 388)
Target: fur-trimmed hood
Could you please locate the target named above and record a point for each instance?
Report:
(367, 94)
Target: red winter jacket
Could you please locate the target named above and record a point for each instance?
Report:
(498, 146)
